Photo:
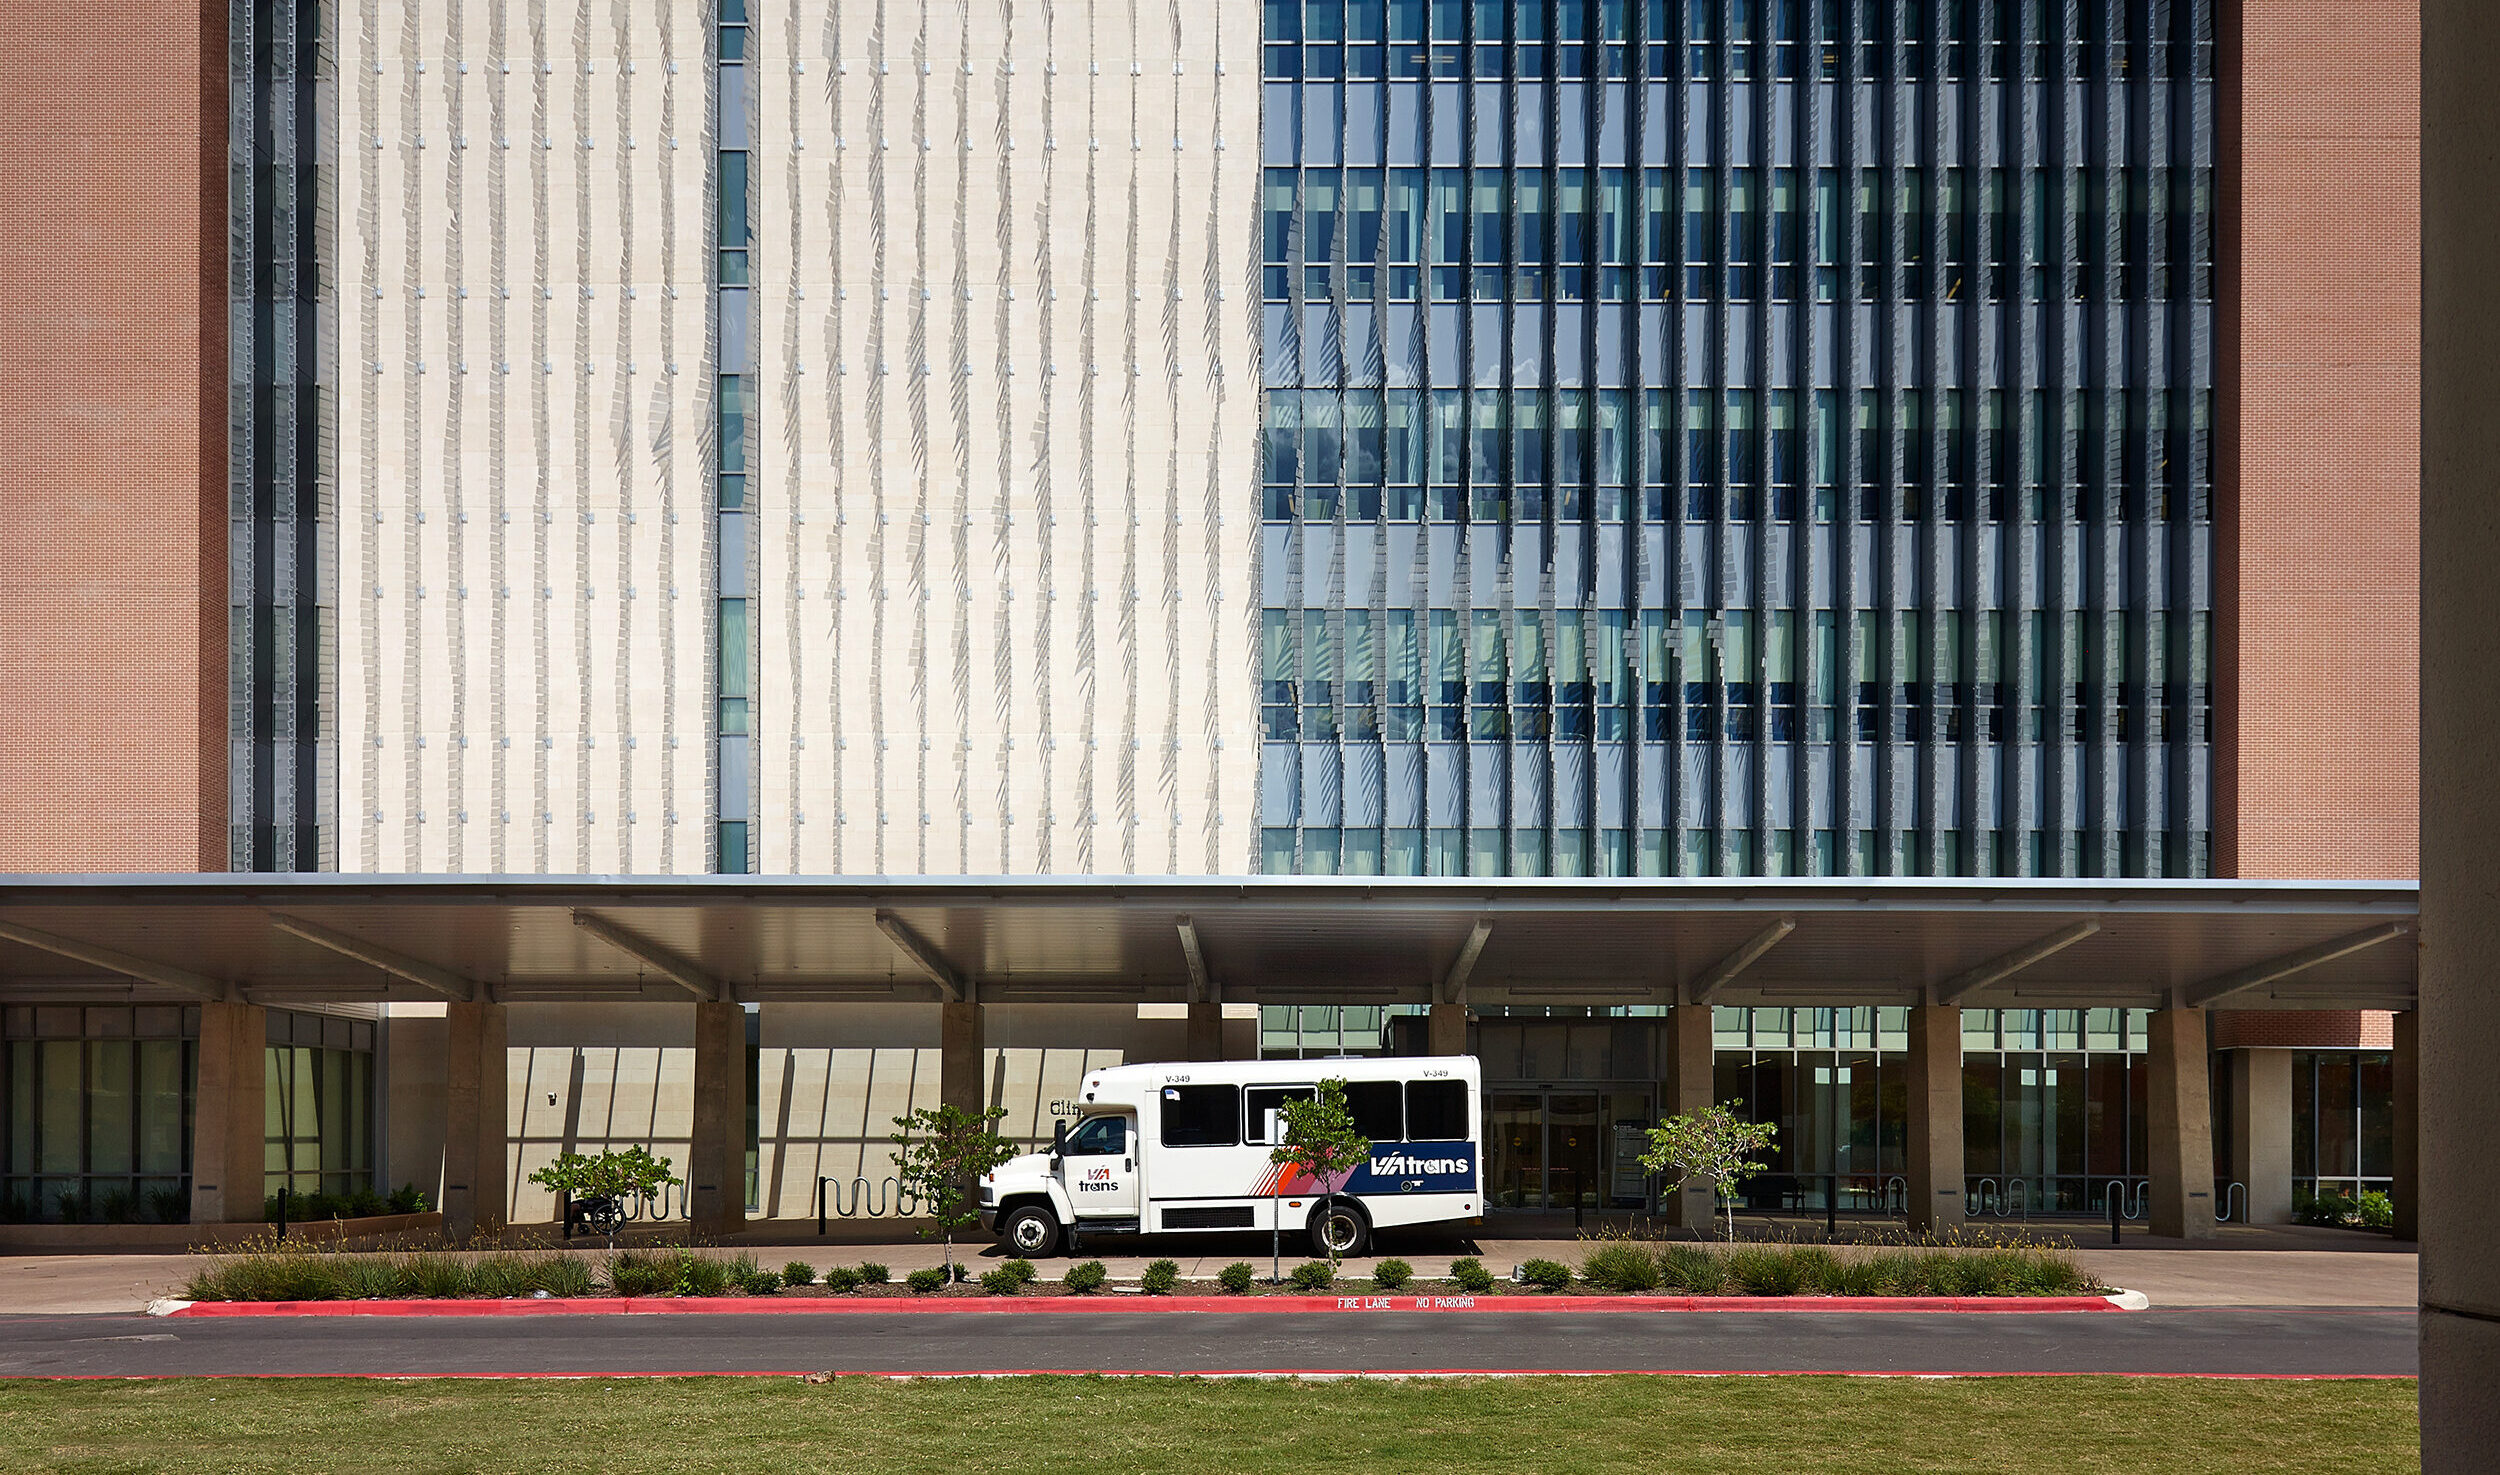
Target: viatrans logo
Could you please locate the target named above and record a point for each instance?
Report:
(1397, 1164)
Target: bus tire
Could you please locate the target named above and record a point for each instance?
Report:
(1031, 1231)
(1340, 1226)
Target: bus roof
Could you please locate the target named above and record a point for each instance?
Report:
(1120, 1080)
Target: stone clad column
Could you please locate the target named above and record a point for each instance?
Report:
(1936, 1156)
(2181, 1129)
(476, 1116)
(1206, 1031)
(2261, 1131)
(716, 1167)
(1686, 1085)
(230, 1116)
(960, 1031)
(1445, 1030)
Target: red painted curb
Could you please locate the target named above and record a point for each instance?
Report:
(1047, 1305)
(1261, 1373)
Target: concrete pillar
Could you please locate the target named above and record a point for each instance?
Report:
(2181, 1129)
(1206, 1031)
(1445, 1031)
(1686, 1085)
(2407, 1125)
(230, 1116)
(2458, 1036)
(716, 1166)
(2261, 1131)
(959, 1061)
(1935, 1126)
(477, 1110)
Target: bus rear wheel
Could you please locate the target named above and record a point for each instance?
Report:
(1032, 1231)
(1339, 1230)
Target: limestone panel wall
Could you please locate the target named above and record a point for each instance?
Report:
(1006, 494)
(524, 321)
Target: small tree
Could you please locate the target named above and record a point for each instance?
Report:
(1713, 1145)
(600, 1183)
(1318, 1137)
(940, 1154)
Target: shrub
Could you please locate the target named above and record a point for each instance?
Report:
(373, 1277)
(701, 1275)
(407, 1198)
(1622, 1267)
(120, 1206)
(1392, 1275)
(1160, 1277)
(2378, 1211)
(1022, 1270)
(503, 1275)
(922, 1282)
(1818, 1269)
(1237, 1278)
(1545, 1275)
(759, 1282)
(1312, 1275)
(1471, 1275)
(1692, 1268)
(1861, 1275)
(637, 1273)
(165, 1205)
(1766, 1270)
(1087, 1278)
(2328, 1207)
(441, 1277)
(565, 1275)
(841, 1280)
(873, 1274)
(798, 1273)
(1000, 1282)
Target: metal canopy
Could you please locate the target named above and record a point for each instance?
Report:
(1281, 939)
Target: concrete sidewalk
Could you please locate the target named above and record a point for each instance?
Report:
(2376, 1275)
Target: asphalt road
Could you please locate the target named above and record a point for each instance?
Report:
(2223, 1341)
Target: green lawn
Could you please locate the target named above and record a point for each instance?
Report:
(1534, 1426)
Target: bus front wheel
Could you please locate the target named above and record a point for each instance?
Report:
(1339, 1230)
(1032, 1231)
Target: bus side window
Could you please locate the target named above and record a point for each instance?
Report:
(1374, 1107)
(1260, 1100)
(1436, 1111)
(1201, 1116)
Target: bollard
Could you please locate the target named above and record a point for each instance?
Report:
(2111, 1195)
(284, 1192)
(564, 1211)
(820, 1208)
(1831, 1207)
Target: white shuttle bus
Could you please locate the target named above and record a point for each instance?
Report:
(1183, 1147)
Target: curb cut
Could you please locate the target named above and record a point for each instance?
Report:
(1052, 1305)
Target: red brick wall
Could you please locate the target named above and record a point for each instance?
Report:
(112, 417)
(2317, 634)
(2304, 1029)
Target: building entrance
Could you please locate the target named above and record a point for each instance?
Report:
(1560, 1149)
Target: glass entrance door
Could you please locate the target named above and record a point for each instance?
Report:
(1555, 1149)
(1514, 1140)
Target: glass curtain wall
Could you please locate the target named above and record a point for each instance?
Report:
(98, 1108)
(2343, 1121)
(281, 441)
(1656, 395)
(318, 1076)
(735, 386)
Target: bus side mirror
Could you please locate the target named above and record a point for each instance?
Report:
(1058, 1137)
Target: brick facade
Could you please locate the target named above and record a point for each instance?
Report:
(113, 406)
(2304, 1029)
(2317, 634)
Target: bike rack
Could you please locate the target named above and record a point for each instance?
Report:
(670, 1202)
(2132, 1202)
(2222, 1204)
(875, 1198)
(1987, 1196)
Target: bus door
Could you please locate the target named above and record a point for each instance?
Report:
(1099, 1167)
